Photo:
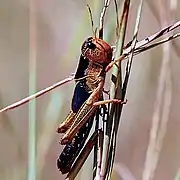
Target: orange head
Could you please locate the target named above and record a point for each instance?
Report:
(97, 50)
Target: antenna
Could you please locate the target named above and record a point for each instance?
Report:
(91, 18)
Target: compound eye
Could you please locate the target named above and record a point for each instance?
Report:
(89, 39)
(91, 45)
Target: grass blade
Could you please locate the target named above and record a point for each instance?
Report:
(32, 89)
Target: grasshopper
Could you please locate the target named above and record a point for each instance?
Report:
(99, 55)
(90, 78)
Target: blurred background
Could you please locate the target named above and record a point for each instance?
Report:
(54, 34)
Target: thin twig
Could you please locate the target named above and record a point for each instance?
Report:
(141, 44)
(117, 19)
(117, 121)
(99, 155)
(145, 48)
(154, 36)
(115, 92)
(101, 26)
(38, 94)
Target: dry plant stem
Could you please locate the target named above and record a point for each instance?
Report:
(163, 101)
(145, 48)
(101, 26)
(38, 94)
(139, 45)
(134, 41)
(117, 19)
(117, 121)
(106, 160)
(98, 146)
(82, 157)
(155, 10)
(116, 72)
(139, 50)
(153, 37)
(99, 157)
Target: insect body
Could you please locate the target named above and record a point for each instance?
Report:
(99, 55)
(96, 55)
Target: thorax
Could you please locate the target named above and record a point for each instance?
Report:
(95, 73)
